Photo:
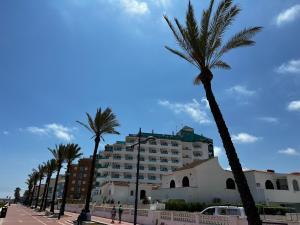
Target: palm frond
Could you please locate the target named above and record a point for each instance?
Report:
(241, 39)
(192, 32)
(223, 17)
(178, 36)
(86, 126)
(204, 31)
(182, 55)
(220, 65)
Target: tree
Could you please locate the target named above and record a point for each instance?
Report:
(17, 195)
(202, 46)
(41, 174)
(35, 177)
(58, 154)
(71, 153)
(27, 193)
(50, 168)
(104, 123)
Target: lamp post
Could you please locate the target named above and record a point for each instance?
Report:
(138, 170)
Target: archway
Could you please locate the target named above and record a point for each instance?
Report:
(230, 183)
(295, 185)
(269, 184)
(185, 182)
(172, 184)
(142, 194)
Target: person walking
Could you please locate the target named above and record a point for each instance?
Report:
(113, 214)
(81, 217)
(120, 212)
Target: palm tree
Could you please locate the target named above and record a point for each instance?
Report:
(203, 47)
(29, 183)
(50, 168)
(58, 154)
(41, 171)
(35, 177)
(104, 123)
(72, 152)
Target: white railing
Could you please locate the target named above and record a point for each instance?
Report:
(150, 217)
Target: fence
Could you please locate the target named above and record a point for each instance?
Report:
(154, 217)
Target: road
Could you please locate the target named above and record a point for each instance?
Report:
(20, 215)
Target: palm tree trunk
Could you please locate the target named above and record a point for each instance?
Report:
(239, 176)
(38, 194)
(64, 199)
(32, 195)
(89, 191)
(54, 190)
(44, 193)
(46, 197)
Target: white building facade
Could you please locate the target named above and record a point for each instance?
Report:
(165, 154)
(207, 181)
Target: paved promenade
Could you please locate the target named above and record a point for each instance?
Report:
(21, 215)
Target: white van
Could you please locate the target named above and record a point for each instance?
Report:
(225, 211)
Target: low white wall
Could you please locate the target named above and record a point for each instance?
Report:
(151, 217)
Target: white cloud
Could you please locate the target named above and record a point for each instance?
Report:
(292, 66)
(5, 132)
(192, 109)
(205, 101)
(241, 90)
(294, 106)
(218, 151)
(269, 119)
(289, 151)
(134, 7)
(244, 138)
(288, 15)
(162, 3)
(57, 130)
(243, 168)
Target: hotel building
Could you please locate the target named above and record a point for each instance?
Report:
(116, 165)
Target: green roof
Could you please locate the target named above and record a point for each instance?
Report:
(186, 134)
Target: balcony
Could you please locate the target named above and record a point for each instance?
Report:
(175, 153)
(164, 160)
(152, 168)
(117, 157)
(129, 149)
(115, 176)
(128, 167)
(152, 159)
(164, 169)
(164, 152)
(128, 158)
(152, 142)
(163, 143)
(174, 144)
(175, 161)
(152, 177)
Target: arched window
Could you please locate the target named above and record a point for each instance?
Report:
(230, 183)
(269, 184)
(295, 185)
(185, 182)
(172, 184)
(142, 194)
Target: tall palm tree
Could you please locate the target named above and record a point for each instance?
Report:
(50, 168)
(203, 46)
(29, 183)
(41, 172)
(35, 177)
(58, 154)
(104, 123)
(72, 152)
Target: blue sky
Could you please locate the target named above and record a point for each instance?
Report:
(62, 58)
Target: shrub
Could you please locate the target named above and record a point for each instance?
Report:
(181, 205)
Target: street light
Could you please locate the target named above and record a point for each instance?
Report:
(138, 170)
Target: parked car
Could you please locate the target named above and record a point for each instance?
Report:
(225, 211)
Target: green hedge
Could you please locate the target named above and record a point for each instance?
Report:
(181, 205)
